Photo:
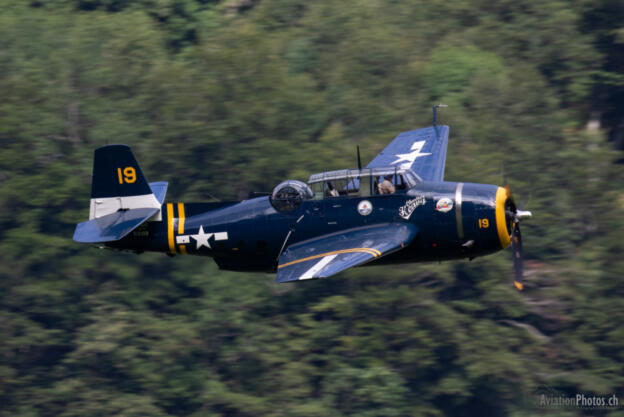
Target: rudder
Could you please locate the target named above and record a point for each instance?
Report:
(116, 173)
(121, 198)
(118, 182)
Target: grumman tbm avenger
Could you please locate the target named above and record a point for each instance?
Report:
(397, 209)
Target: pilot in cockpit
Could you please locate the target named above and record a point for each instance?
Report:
(330, 191)
(386, 186)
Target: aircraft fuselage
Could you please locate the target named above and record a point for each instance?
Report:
(454, 221)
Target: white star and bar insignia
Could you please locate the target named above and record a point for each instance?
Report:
(409, 158)
(202, 238)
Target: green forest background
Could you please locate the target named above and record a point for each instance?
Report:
(221, 98)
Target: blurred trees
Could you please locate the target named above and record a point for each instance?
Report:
(224, 97)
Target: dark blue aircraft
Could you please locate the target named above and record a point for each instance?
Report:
(398, 209)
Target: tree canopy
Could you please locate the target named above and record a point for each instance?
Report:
(225, 97)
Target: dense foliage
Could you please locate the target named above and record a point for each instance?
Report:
(224, 97)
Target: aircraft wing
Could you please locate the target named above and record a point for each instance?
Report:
(422, 150)
(328, 255)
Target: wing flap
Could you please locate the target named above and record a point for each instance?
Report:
(328, 255)
(421, 150)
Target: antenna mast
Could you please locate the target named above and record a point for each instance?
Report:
(435, 113)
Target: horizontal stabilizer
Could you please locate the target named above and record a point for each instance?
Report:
(328, 255)
(112, 226)
(159, 189)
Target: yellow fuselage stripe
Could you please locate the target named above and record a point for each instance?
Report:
(181, 218)
(170, 227)
(370, 251)
(501, 223)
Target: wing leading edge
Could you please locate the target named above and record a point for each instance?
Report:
(328, 255)
(422, 150)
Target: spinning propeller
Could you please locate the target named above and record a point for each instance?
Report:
(513, 216)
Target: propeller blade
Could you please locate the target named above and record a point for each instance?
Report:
(516, 245)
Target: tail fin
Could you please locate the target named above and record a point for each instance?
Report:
(121, 198)
(118, 183)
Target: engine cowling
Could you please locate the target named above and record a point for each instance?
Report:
(288, 195)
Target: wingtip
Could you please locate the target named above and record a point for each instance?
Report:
(518, 285)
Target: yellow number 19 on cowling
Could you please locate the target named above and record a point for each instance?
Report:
(484, 223)
(128, 177)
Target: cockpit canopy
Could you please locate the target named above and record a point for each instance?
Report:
(362, 183)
